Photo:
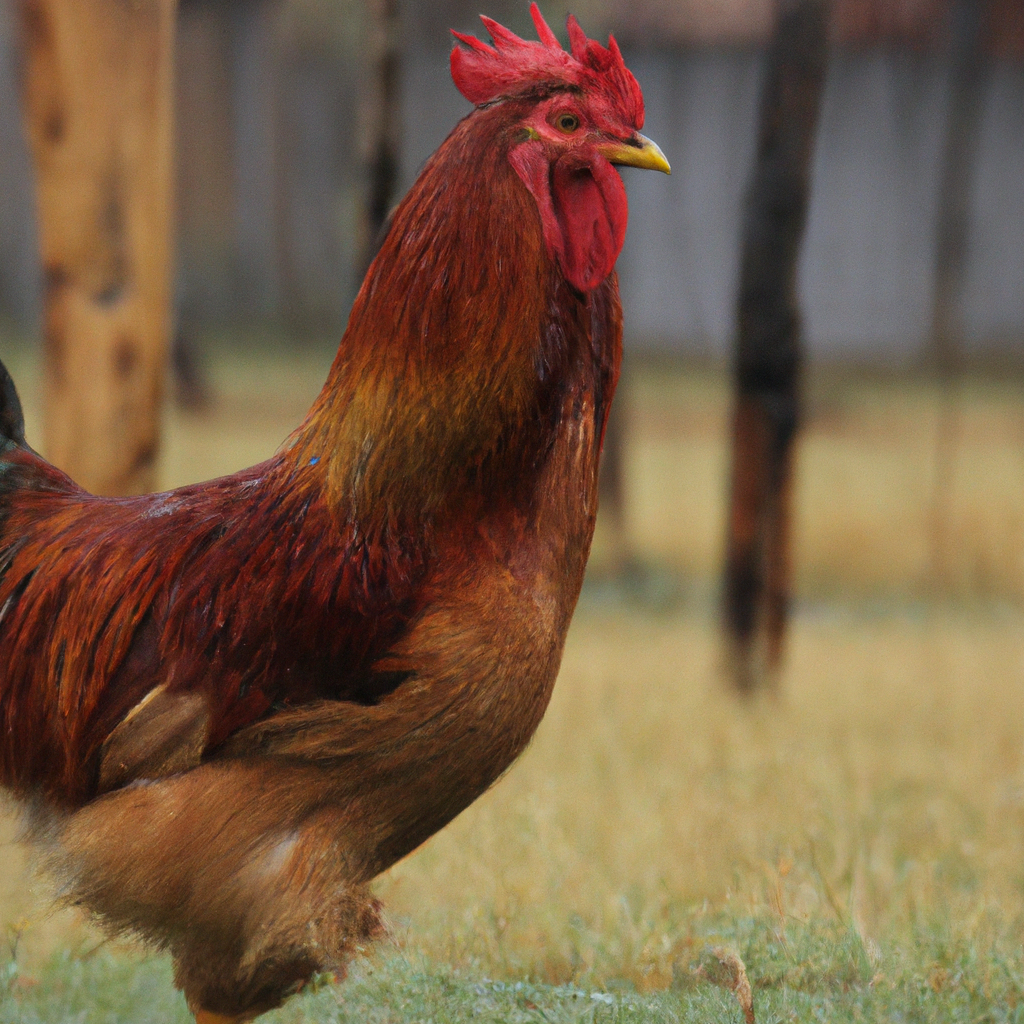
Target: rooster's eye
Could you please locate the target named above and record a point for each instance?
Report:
(567, 123)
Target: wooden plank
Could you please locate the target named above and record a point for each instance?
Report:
(98, 108)
(380, 125)
(956, 179)
(769, 347)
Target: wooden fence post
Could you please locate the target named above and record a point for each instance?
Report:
(380, 126)
(768, 347)
(98, 107)
(967, 72)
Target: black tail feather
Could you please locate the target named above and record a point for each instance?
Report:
(12, 420)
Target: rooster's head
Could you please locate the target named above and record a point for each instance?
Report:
(577, 113)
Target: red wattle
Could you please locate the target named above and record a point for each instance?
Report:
(591, 207)
(583, 211)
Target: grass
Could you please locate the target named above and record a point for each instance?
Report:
(804, 973)
(859, 841)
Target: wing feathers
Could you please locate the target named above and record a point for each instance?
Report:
(164, 734)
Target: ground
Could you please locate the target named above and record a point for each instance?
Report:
(858, 839)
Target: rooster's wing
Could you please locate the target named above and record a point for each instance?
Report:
(137, 632)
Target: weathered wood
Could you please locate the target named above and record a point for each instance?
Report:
(205, 157)
(956, 173)
(380, 125)
(768, 347)
(98, 107)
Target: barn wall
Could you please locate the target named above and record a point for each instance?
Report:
(207, 279)
(866, 272)
(679, 268)
(867, 268)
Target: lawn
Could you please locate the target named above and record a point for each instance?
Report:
(858, 842)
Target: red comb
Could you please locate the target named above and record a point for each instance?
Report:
(512, 65)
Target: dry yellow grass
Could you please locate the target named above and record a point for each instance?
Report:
(885, 787)
(866, 468)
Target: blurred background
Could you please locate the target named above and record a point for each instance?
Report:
(890, 769)
(268, 174)
(268, 167)
(271, 182)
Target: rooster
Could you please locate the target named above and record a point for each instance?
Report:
(228, 707)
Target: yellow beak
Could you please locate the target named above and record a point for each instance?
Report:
(637, 152)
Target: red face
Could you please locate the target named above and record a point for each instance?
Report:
(568, 120)
(570, 139)
(570, 143)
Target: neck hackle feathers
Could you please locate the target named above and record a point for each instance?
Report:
(513, 66)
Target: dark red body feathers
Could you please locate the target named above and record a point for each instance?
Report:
(233, 704)
(226, 588)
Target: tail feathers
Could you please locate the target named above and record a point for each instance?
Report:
(12, 420)
(20, 466)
